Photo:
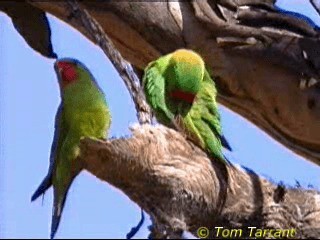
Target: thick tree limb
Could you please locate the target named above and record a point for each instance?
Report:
(178, 186)
(266, 63)
(266, 66)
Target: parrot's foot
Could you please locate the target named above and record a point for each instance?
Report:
(192, 146)
(93, 138)
(165, 226)
(307, 83)
(163, 231)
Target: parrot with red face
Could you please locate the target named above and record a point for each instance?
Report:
(182, 95)
(83, 112)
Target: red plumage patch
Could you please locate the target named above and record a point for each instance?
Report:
(68, 72)
(184, 96)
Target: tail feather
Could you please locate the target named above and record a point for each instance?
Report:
(43, 187)
(227, 161)
(59, 199)
(225, 143)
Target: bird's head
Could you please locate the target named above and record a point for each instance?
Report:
(184, 74)
(68, 71)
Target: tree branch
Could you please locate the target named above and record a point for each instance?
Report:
(176, 183)
(315, 6)
(265, 62)
(259, 57)
(124, 68)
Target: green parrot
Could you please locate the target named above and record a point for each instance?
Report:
(83, 112)
(182, 95)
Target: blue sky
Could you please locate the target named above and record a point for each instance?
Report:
(29, 97)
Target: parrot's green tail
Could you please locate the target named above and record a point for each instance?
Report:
(58, 200)
(58, 206)
(44, 186)
(225, 143)
(227, 161)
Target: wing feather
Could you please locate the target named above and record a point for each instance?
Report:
(212, 115)
(154, 86)
(60, 131)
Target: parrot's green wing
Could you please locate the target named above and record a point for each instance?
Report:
(211, 143)
(60, 131)
(202, 123)
(212, 117)
(154, 88)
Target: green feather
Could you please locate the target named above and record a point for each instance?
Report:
(83, 112)
(154, 86)
(206, 118)
(184, 70)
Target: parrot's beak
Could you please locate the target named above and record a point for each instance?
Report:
(57, 68)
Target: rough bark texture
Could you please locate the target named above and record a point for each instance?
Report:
(266, 68)
(181, 189)
(256, 53)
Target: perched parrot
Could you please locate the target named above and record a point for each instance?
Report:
(83, 112)
(182, 95)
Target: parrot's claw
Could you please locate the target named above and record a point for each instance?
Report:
(305, 55)
(93, 138)
(307, 83)
(302, 83)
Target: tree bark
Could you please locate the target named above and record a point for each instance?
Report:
(266, 67)
(182, 190)
(265, 62)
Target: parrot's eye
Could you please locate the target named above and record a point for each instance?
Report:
(67, 72)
